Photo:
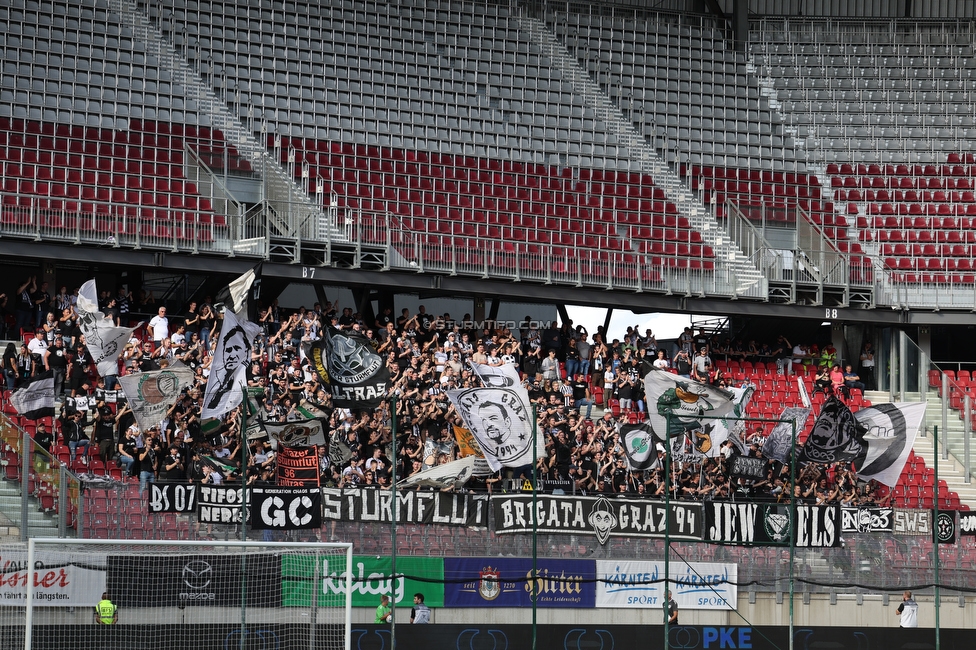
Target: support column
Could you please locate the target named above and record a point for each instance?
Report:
(479, 310)
(364, 305)
(740, 24)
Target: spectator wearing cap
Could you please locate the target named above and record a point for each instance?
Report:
(702, 366)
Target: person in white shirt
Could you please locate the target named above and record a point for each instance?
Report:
(907, 612)
(661, 363)
(158, 327)
(37, 345)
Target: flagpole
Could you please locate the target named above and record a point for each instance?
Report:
(935, 529)
(243, 475)
(244, 451)
(667, 524)
(792, 537)
(535, 528)
(393, 521)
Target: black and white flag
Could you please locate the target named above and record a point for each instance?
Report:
(227, 372)
(640, 446)
(835, 437)
(35, 397)
(500, 419)
(301, 433)
(503, 376)
(890, 436)
(779, 442)
(104, 340)
(234, 297)
(878, 439)
(356, 374)
(151, 394)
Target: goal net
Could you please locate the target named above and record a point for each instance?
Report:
(120, 595)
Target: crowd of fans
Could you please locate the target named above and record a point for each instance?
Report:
(568, 372)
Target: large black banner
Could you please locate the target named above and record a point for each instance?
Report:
(298, 466)
(279, 508)
(220, 505)
(771, 524)
(413, 506)
(172, 497)
(762, 524)
(597, 516)
(945, 527)
(818, 526)
(153, 580)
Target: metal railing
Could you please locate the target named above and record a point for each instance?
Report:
(116, 225)
(48, 499)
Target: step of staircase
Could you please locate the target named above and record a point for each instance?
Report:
(950, 465)
(950, 469)
(40, 524)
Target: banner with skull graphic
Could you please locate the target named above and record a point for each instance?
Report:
(357, 376)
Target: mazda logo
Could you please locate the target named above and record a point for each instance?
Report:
(197, 574)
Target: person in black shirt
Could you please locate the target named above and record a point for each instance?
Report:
(43, 439)
(104, 431)
(172, 468)
(682, 363)
(25, 363)
(42, 302)
(25, 305)
(56, 361)
(73, 430)
(10, 366)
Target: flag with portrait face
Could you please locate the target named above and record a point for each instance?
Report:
(877, 440)
(227, 379)
(500, 420)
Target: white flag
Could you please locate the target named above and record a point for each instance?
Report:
(503, 376)
(105, 341)
(449, 475)
(35, 397)
(690, 408)
(151, 394)
(500, 420)
(228, 370)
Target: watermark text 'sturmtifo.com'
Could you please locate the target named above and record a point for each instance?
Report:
(489, 324)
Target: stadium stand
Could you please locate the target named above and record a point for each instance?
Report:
(892, 140)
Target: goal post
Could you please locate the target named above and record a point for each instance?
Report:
(90, 594)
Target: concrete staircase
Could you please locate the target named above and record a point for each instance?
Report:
(40, 524)
(745, 277)
(950, 469)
